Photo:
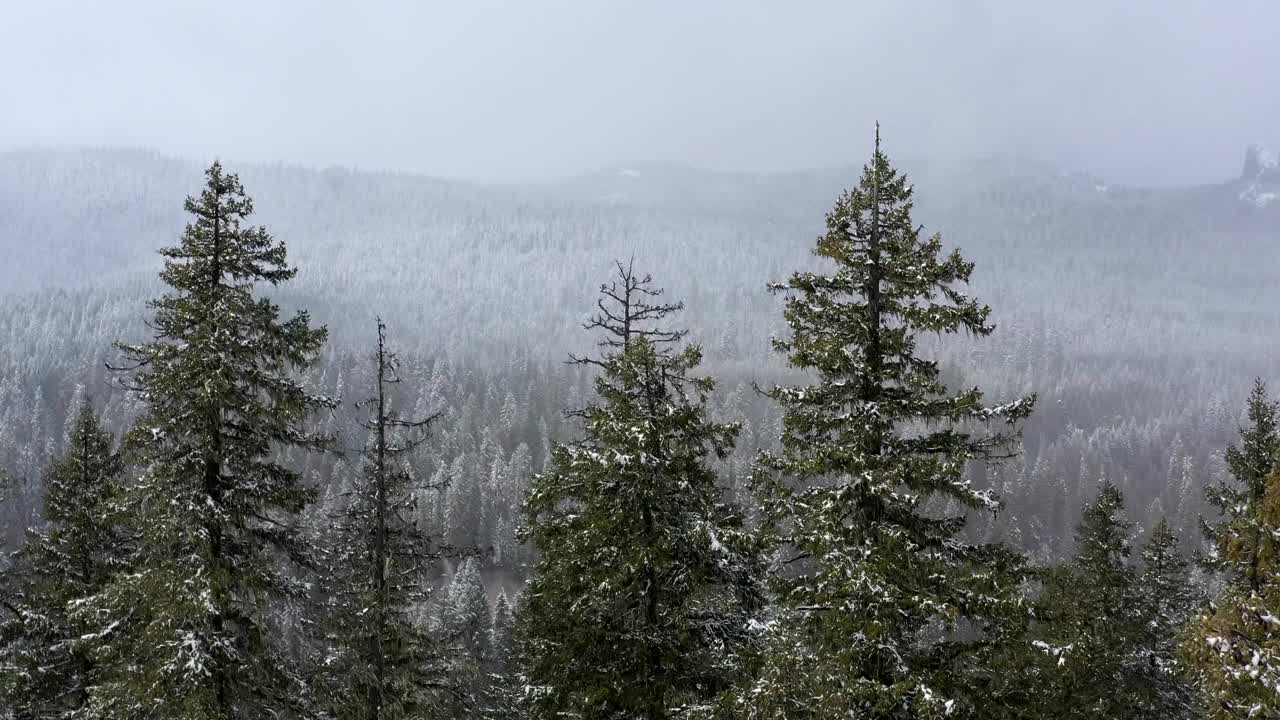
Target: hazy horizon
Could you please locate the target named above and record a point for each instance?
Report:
(1137, 94)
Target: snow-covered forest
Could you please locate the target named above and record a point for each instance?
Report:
(1162, 311)
(514, 479)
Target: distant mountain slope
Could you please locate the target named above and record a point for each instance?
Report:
(1139, 314)
(62, 211)
(482, 264)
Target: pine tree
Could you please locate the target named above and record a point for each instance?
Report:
(466, 621)
(46, 670)
(1233, 646)
(500, 635)
(1250, 463)
(1166, 601)
(186, 633)
(379, 659)
(1094, 633)
(873, 577)
(463, 504)
(640, 597)
(468, 612)
(503, 702)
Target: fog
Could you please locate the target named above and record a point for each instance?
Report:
(776, 478)
(1140, 92)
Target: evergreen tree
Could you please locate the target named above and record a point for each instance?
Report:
(883, 611)
(45, 669)
(500, 635)
(1237, 499)
(641, 594)
(1093, 635)
(503, 702)
(467, 616)
(463, 504)
(379, 660)
(1167, 600)
(8, 488)
(186, 633)
(1233, 646)
(467, 623)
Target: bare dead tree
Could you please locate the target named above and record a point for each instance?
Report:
(628, 308)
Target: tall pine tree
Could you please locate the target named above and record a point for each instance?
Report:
(379, 659)
(503, 701)
(45, 668)
(642, 590)
(882, 609)
(1092, 625)
(1167, 599)
(465, 620)
(1233, 646)
(186, 633)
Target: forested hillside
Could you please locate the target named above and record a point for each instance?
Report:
(1138, 315)
(636, 445)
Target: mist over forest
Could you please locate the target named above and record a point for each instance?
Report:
(575, 362)
(1157, 323)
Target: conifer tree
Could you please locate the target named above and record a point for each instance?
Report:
(504, 685)
(466, 622)
(379, 659)
(186, 633)
(1233, 646)
(643, 587)
(500, 636)
(872, 575)
(1093, 634)
(45, 669)
(1167, 599)
(467, 616)
(1237, 499)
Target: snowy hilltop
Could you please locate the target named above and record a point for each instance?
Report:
(1260, 175)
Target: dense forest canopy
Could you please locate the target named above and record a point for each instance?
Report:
(1138, 315)
(840, 503)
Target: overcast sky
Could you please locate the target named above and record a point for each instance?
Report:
(1167, 91)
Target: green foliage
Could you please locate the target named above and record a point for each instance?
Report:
(640, 597)
(186, 632)
(1238, 499)
(882, 609)
(1233, 646)
(45, 669)
(1168, 601)
(1091, 624)
(378, 660)
(1106, 632)
(163, 597)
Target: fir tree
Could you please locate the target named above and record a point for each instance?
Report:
(1233, 646)
(1093, 630)
(379, 659)
(1237, 499)
(467, 615)
(872, 576)
(640, 596)
(186, 633)
(46, 669)
(500, 635)
(503, 702)
(1167, 599)
(466, 622)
